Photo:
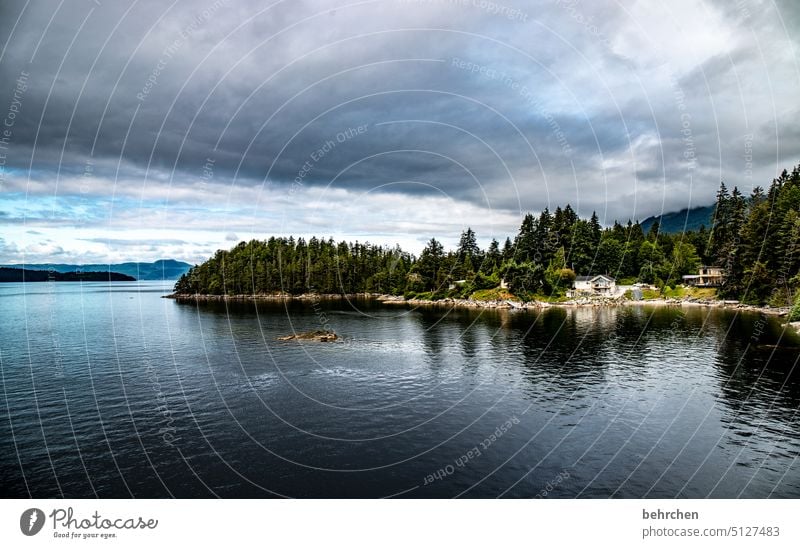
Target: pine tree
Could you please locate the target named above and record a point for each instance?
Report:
(594, 223)
(493, 258)
(525, 242)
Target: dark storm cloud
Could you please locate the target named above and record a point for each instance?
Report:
(512, 112)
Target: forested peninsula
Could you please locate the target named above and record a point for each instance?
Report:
(8, 274)
(754, 239)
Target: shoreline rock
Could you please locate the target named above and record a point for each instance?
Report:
(489, 305)
(271, 297)
(319, 336)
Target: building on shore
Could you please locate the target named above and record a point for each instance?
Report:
(598, 285)
(707, 276)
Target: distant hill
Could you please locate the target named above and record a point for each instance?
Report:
(165, 269)
(680, 221)
(26, 275)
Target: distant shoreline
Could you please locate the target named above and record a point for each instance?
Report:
(21, 275)
(497, 305)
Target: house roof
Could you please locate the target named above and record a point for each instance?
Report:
(593, 278)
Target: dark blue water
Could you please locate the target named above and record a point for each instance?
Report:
(109, 390)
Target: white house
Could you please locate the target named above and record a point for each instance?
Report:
(457, 283)
(595, 285)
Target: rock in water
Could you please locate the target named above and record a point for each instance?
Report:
(321, 336)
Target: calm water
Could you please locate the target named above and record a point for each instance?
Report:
(109, 390)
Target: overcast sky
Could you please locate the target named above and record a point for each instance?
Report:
(145, 130)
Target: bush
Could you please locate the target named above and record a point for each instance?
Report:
(674, 293)
(463, 291)
(438, 295)
(794, 313)
(649, 294)
(482, 281)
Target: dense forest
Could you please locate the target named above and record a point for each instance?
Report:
(755, 238)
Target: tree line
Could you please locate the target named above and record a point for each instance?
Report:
(755, 239)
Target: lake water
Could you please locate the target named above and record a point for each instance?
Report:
(110, 390)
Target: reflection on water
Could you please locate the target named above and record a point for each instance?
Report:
(110, 390)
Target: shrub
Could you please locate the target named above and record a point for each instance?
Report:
(794, 313)
(482, 281)
(649, 294)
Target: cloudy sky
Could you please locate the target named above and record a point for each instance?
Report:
(144, 130)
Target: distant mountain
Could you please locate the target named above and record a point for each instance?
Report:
(165, 269)
(680, 221)
(29, 275)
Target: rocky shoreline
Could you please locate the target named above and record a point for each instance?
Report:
(501, 305)
(587, 303)
(272, 297)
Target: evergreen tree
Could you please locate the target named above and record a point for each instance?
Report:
(525, 242)
(430, 265)
(493, 258)
(594, 224)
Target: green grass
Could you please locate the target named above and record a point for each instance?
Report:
(650, 294)
(496, 294)
(681, 292)
(673, 293)
(701, 292)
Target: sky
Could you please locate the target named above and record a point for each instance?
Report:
(147, 129)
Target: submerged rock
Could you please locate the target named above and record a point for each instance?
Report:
(319, 335)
